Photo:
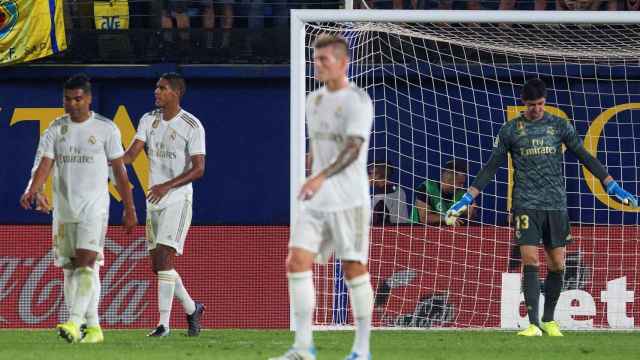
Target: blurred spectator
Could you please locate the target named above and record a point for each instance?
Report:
(633, 5)
(390, 4)
(511, 4)
(145, 14)
(185, 14)
(80, 13)
(389, 201)
(433, 199)
(421, 4)
(584, 5)
(178, 13)
(182, 13)
(276, 12)
(227, 21)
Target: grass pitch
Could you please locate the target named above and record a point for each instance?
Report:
(245, 344)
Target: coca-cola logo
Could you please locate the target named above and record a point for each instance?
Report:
(38, 286)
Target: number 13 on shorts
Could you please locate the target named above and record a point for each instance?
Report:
(522, 222)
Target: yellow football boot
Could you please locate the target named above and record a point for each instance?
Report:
(551, 328)
(92, 335)
(532, 330)
(69, 331)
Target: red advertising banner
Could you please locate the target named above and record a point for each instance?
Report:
(465, 277)
(237, 272)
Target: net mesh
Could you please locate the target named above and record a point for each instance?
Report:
(441, 92)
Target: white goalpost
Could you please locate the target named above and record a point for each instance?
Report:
(443, 83)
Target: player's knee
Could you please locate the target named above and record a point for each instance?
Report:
(297, 264)
(156, 265)
(556, 267)
(353, 269)
(161, 266)
(84, 259)
(299, 260)
(530, 258)
(293, 265)
(530, 261)
(162, 258)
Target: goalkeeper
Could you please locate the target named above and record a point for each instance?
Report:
(534, 139)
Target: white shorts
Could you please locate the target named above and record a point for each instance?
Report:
(169, 226)
(322, 232)
(89, 235)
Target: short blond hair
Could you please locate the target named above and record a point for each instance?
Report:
(338, 42)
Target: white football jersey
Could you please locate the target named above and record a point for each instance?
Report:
(81, 152)
(170, 145)
(331, 117)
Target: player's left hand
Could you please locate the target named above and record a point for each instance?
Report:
(311, 187)
(26, 200)
(129, 220)
(621, 194)
(157, 192)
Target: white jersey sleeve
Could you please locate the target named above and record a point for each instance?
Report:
(359, 115)
(196, 142)
(39, 154)
(143, 125)
(113, 144)
(46, 146)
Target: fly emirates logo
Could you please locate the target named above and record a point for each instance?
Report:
(74, 155)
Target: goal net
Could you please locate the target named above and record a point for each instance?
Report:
(443, 83)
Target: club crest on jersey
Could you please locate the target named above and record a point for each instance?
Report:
(173, 135)
(64, 129)
(92, 140)
(551, 131)
(317, 100)
(520, 128)
(338, 112)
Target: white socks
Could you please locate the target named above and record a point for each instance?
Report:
(92, 312)
(69, 288)
(303, 299)
(166, 288)
(84, 278)
(170, 284)
(181, 293)
(362, 306)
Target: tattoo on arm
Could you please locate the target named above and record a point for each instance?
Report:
(347, 156)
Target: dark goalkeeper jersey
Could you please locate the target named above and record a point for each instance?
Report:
(536, 151)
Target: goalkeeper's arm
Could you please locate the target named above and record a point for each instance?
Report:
(598, 170)
(574, 144)
(488, 171)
